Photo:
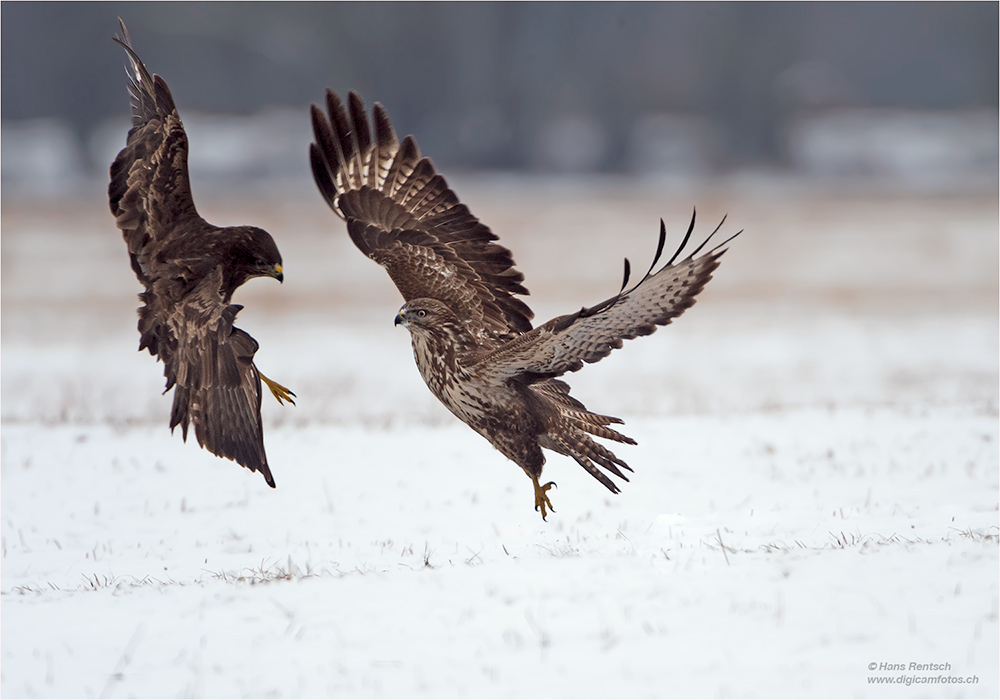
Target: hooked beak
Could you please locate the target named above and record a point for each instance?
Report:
(400, 321)
(276, 273)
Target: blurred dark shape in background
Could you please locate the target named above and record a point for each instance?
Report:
(905, 92)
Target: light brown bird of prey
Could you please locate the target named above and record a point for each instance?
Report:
(190, 270)
(472, 337)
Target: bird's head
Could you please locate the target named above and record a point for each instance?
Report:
(432, 324)
(423, 313)
(252, 253)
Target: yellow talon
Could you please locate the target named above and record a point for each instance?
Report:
(541, 497)
(281, 393)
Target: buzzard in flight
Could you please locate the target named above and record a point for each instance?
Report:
(472, 337)
(190, 270)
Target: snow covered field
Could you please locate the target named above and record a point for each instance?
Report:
(814, 505)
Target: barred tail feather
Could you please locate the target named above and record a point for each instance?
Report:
(579, 446)
(572, 410)
(587, 423)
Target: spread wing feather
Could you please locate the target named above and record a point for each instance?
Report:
(401, 213)
(150, 193)
(566, 342)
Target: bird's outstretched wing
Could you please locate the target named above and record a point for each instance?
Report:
(566, 342)
(401, 213)
(150, 193)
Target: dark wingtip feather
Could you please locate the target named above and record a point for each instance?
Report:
(408, 149)
(124, 35)
(384, 133)
(663, 240)
(628, 270)
(656, 258)
(359, 119)
(125, 42)
(687, 237)
(326, 142)
(321, 174)
(333, 103)
(315, 116)
(705, 242)
(149, 94)
(726, 241)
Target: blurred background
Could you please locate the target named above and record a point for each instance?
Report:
(856, 143)
(838, 374)
(901, 93)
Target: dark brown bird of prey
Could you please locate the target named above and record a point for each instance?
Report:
(472, 337)
(190, 270)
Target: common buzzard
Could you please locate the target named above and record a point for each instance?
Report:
(190, 270)
(473, 340)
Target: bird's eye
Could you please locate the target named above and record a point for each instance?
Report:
(421, 313)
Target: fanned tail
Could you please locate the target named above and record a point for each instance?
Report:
(569, 434)
(597, 425)
(579, 446)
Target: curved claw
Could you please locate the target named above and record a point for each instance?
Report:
(280, 392)
(541, 496)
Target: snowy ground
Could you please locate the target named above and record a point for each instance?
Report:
(815, 492)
